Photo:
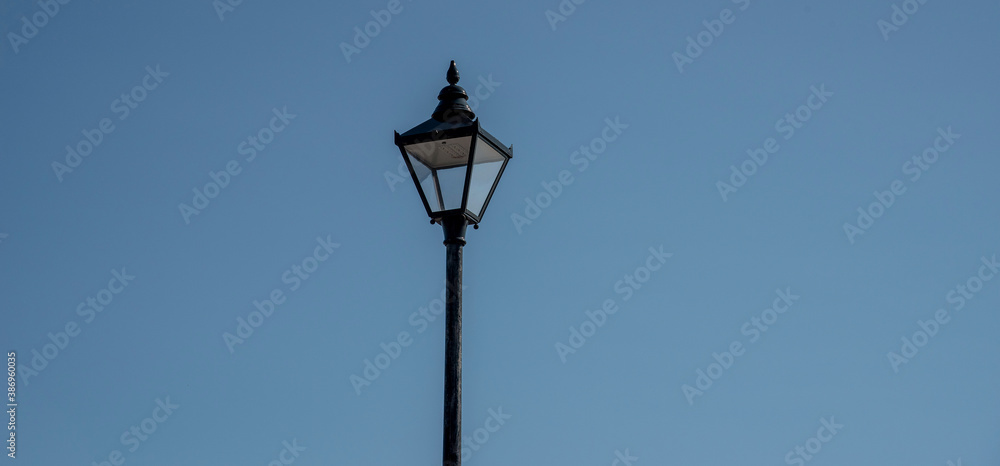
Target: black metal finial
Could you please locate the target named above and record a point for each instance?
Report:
(453, 73)
(454, 101)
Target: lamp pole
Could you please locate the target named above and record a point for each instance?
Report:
(454, 240)
(455, 165)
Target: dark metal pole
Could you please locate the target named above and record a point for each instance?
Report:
(454, 240)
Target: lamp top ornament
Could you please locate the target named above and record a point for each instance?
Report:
(454, 101)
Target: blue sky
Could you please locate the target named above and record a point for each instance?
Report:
(735, 168)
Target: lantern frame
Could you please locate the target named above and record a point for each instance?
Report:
(456, 127)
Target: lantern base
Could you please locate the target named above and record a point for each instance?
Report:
(454, 229)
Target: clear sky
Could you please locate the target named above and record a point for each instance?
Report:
(699, 201)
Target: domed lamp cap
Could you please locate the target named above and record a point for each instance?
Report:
(454, 101)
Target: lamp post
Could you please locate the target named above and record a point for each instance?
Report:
(456, 166)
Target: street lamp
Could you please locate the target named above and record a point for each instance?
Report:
(456, 166)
